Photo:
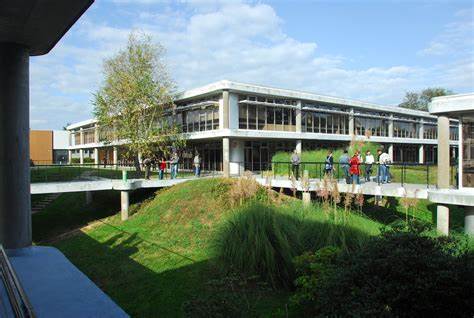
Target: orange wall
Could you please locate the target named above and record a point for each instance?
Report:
(41, 146)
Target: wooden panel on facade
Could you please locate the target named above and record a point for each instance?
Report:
(41, 146)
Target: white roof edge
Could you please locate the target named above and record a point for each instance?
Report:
(295, 94)
(82, 123)
(452, 104)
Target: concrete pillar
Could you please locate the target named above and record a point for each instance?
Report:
(390, 126)
(351, 122)
(81, 136)
(237, 157)
(81, 156)
(88, 197)
(442, 219)
(233, 111)
(69, 156)
(225, 110)
(115, 157)
(421, 154)
(469, 220)
(299, 146)
(421, 130)
(96, 133)
(443, 152)
(226, 156)
(298, 116)
(124, 204)
(15, 205)
(390, 151)
(96, 156)
(306, 198)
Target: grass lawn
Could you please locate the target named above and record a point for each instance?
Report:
(162, 257)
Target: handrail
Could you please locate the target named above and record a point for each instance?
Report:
(19, 302)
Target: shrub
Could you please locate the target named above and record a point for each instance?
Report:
(258, 240)
(86, 160)
(400, 274)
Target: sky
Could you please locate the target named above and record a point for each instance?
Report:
(373, 51)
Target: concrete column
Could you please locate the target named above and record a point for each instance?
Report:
(237, 157)
(443, 152)
(469, 220)
(299, 146)
(96, 156)
(298, 116)
(81, 156)
(225, 110)
(442, 219)
(351, 122)
(390, 151)
(226, 156)
(233, 111)
(115, 156)
(15, 205)
(421, 154)
(96, 133)
(124, 204)
(81, 135)
(88, 197)
(69, 156)
(421, 130)
(390, 126)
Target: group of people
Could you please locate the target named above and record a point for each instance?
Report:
(161, 164)
(351, 165)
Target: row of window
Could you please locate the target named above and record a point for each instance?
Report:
(266, 118)
(371, 126)
(403, 129)
(200, 119)
(325, 123)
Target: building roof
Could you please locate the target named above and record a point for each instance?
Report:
(38, 24)
(452, 105)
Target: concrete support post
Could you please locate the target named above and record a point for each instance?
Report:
(69, 156)
(306, 198)
(390, 151)
(299, 146)
(351, 122)
(225, 110)
(96, 156)
(124, 204)
(443, 152)
(469, 220)
(421, 154)
(88, 197)
(390, 126)
(81, 136)
(237, 157)
(298, 116)
(15, 205)
(442, 219)
(96, 133)
(421, 131)
(115, 157)
(226, 156)
(81, 156)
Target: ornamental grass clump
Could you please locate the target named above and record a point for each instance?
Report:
(245, 187)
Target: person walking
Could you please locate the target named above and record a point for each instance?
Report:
(174, 165)
(384, 161)
(354, 168)
(197, 165)
(329, 164)
(162, 167)
(147, 165)
(295, 164)
(344, 163)
(369, 161)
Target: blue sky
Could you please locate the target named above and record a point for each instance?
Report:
(368, 50)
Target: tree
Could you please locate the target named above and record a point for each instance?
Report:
(420, 101)
(135, 102)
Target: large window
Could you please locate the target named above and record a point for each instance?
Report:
(454, 133)
(430, 131)
(200, 119)
(325, 123)
(89, 135)
(405, 129)
(259, 117)
(371, 126)
(468, 152)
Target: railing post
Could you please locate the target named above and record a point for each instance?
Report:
(427, 176)
(124, 175)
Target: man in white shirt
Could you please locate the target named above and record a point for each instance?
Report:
(369, 161)
(384, 161)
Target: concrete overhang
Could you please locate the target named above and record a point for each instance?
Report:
(38, 24)
(464, 197)
(453, 105)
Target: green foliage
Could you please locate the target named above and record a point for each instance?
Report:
(405, 272)
(259, 239)
(420, 101)
(86, 160)
(135, 102)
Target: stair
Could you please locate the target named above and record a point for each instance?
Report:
(45, 201)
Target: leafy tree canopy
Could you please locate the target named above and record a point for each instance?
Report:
(135, 101)
(420, 101)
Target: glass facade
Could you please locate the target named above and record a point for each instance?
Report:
(371, 126)
(325, 123)
(199, 119)
(468, 152)
(405, 129)
(454, 133)
(430, 131)
(259, 117)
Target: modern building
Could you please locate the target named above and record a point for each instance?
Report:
(49, 147)
(236, 125)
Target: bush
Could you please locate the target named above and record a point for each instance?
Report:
(86, 160)
(400, 274)
(259, 240)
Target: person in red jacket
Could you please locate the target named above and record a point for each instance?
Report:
(354, 169)
(162, 167)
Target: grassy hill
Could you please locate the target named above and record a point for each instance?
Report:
(178, 251)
